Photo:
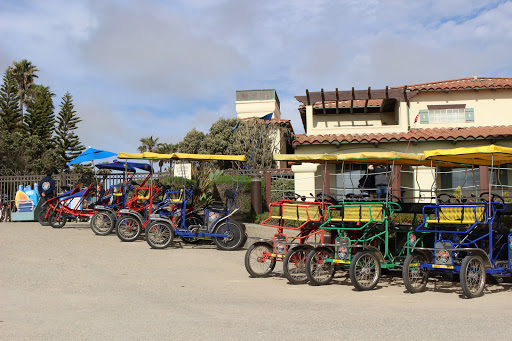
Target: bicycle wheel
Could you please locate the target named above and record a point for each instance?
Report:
(294, 264)
(318, 271)
(159, 234)
(102, 223)
(235, 235)
(255, 263)
(128, 228)
(43, 216)
(472, 276)
(415, 278)
(57, 220)
(365, 270)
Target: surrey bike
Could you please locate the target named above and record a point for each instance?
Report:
(470, 239)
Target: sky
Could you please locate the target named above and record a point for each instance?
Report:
(161, 68)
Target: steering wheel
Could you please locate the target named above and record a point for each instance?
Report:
(444, 198)
(494, 197)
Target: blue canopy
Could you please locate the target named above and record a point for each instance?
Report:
(91, 154)
(121, 166)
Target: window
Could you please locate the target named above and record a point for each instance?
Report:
(449, 113)
(447, 116)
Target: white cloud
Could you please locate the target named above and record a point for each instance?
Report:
(140, 68)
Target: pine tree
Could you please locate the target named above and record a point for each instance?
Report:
(40, 118)
(11, 118)
(67, 142)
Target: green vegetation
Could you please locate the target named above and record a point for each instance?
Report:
(34, 141)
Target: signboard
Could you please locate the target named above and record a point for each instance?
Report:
(183, 170)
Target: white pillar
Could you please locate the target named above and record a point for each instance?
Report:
(305, 180)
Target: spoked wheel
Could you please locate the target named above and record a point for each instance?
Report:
(294, 265)
(128, 228)
(189, 221)
(415, 278)
(472, 276)
(257, 265)
(365, 270)
(43, 216)
(102, 223)
(318, 271)
(235, 235)
(57, 221)
(159, 234)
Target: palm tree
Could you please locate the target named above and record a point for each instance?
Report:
(165, 148)
(24, 72)
(148, 144)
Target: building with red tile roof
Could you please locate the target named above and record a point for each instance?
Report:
(470, 112)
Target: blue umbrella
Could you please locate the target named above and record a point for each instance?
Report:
(91, 154)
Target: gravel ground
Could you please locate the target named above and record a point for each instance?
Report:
(69, 284)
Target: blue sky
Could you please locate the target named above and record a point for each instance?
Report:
(155, 67)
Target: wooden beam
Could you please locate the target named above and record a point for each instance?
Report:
(393, 93)
(308, 101)
(387, 92)
(352, 101)
(366, 100)
(337, 101)
(323, 100)
(405, 94)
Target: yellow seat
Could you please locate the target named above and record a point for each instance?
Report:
(460, 215)
(357, 213)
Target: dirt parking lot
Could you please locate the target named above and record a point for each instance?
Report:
(69, 284)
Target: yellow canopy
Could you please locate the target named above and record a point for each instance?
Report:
(180, 156)
(384, 158)
(481, 156)
(305, 157)
(129, 156)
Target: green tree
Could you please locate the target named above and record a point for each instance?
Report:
(40, 119)
(11, 118)
(247, 135)
(24, 72)
(219, 138)
(165, 148)
(148, 144)
(192, 142)
(67, 142)
(22, 154)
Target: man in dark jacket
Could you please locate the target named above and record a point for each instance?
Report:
(46, 186)
(381, 180)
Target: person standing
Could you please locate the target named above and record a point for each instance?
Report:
(46, 186)
(381, 180)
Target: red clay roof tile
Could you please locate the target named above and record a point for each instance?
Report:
(417, 134)
(463, 84)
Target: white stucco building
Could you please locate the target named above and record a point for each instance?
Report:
(464, 112)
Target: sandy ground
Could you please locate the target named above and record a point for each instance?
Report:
(69, 284)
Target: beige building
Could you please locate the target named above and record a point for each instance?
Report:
(411, 118)
(252, 104)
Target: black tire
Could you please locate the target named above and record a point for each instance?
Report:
(128, 228)
(472, 276)
(365, 270)
(294, 264)
(318, 271)
(103, 223)
(192, 219)
(255, 265)
(415, 278)
(55, 221)
(235, 237)
(43, 216)
(159, 234)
